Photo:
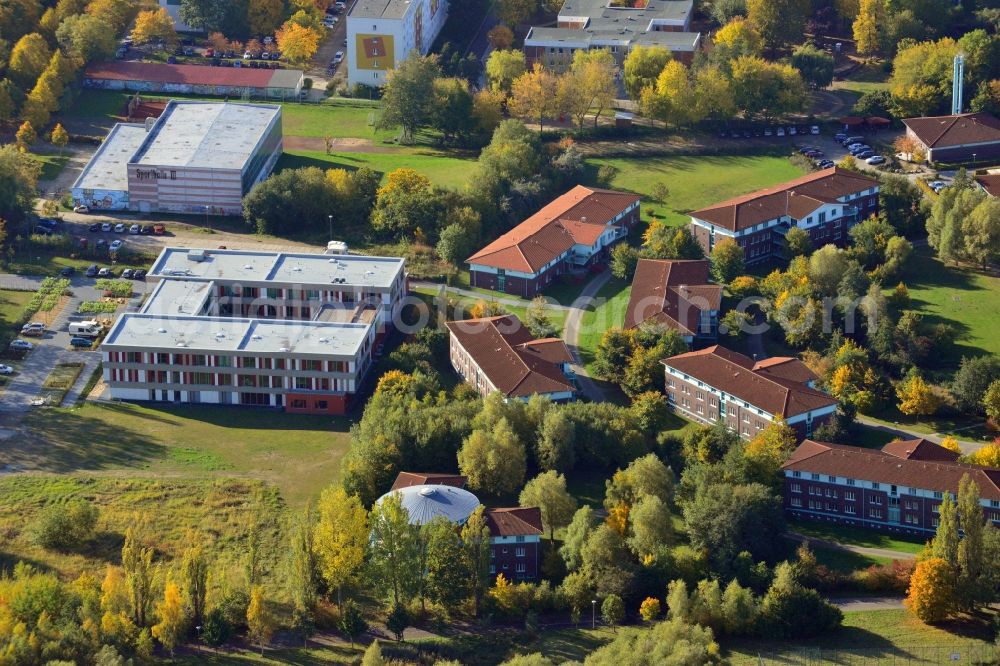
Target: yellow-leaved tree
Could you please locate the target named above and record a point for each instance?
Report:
(951, 443)
(535, 95)
(154, 26)
(298, 44)
(869, 26)
(649, 609)
(173, 621)
(988, 456)
(341, 538)
(59, 137)
(771, 447)
(916, 396)
(260, 624)
(931, 596)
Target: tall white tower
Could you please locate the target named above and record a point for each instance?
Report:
(958, 78)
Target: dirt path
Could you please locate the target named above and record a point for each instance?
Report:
(571, 334)
(860, 550)
(342, 145)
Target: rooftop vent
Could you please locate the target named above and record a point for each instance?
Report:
(427, 492)
(196, 255)
(161, 330)
(283, 349)
(256, 337)
(248, 267)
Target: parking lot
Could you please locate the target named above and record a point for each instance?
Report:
(53, 347)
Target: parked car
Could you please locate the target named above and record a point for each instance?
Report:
(119, 228)
(21, 345)
(91, 270)
(338, 57)
(875, 159)
(158, 229)
(814, 129)
(106, 273)
(41, 230)
(839, 136)
(780, 131)
(81, 209)
(146, 229)
(6, 369)
(100, 243)
(865, 154)
(33, 325)
(171, 60)
(66, 272)
(134, 230)
(33, 332)
(115, 246)
(247, 55)
(81, 342)
(853, 139)
(825, 164)
(139, 274)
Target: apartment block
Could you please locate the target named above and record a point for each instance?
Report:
(295, 331)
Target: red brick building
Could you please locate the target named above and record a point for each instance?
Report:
(716, 384)
(500, 354)
(826, 204)
(675, 294)
(966, 137)
(897, 489)
(515, 542)
(573, 232)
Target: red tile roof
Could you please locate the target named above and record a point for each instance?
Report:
(407, 479)
(960, 130)
(919, 449)
(514, 362)
(734, 374)
(990, 184)
(866, 464)
(516, 521)
(786, 367)
(671, 293)
(797, 198)
(205, 75)
(579, 216)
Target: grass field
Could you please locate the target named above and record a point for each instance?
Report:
(846, 561)
(856, 537)
(695, 181)
(442, 169)
(868, 78)
(965, 298)
(12, 304)
(428, 294)
(52, 165)
(607, 311)
(299, 454)
(60, 381)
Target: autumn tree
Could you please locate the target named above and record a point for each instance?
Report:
(172, 626)
(916, 396)
(713, 94)
(500, 37)
(25, 136)
(921, 76)
(548, 492)
(535, 95)
(86, 37)
(28, 58)
(612, 611)
(514, 12)
(991, 401)
(931, 592)
(737, 38)
(727, 261)
(302, 572)
(642, 67)
(194, 580)
(503, 67)
(341, 538)
(352, 623)
(814, 64)
(778, 21)
(260, 622)
(798, 242)
(59, 137)
(476, 551)
(493, 460)
(404, 203)
(137, 563)
(297, 43)
(869, 26)
(765, 88)
(589, 84)
(672, 99)
(649, 609)
(154, 26)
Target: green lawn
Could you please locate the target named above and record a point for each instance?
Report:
(564, 293)
(966, 298)
(12, 304)
(846, 561)
(607, 311)
(868, 78)
(283, 656)
(962, 427)
(856, 536)
(441, 168)
(871, 438)
(300, 454)
(60, 381)
(874, 637)
(52, 165)
(695, 181)
(557, 317)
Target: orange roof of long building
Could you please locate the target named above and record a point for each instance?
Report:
(578, 217)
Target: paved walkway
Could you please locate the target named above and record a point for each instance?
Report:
(862, 603)
(468, 293)
(860, 550)
(571, 334)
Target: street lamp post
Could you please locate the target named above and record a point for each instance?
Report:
(973, 162)
(330, 217)
(593, 613)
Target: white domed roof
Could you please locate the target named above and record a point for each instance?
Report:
(425, 502)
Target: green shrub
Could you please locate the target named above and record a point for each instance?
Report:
(118, 288)
(65, 526)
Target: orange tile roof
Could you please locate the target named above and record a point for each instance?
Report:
(919, 449)
(959, 130)
(797, 198)
(407, 479)
(854, 462)
(669, 292)
(786, 367)
(578, 217)
(735, 374)
(514, 362)
(515, 521)
(990, 184)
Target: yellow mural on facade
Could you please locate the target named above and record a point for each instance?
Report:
(373, 52)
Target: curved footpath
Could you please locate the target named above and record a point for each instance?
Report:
(571, 335)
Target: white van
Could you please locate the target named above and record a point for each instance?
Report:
(85, 328)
